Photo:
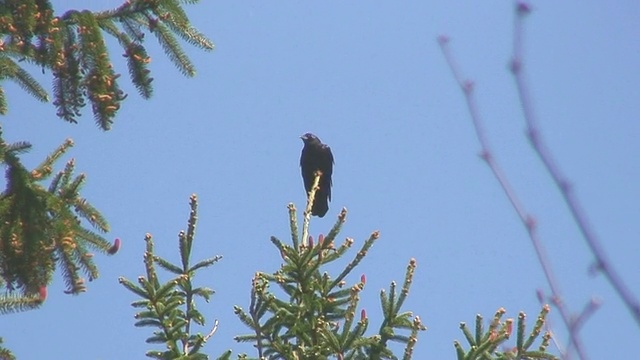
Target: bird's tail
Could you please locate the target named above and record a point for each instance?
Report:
(320, 203)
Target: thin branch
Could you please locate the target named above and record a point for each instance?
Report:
(586, 313)
(213, 330)
(307, 212)
(533, 134)
(253, 310)
(527, 219)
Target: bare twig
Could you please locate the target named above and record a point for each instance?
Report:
(586, 313)
(213, 330)
(533, 133)
(307, 212)
(527, 220)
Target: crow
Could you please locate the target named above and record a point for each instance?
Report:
(317, 156)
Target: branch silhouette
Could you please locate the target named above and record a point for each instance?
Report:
(573, 322)
(563, 184)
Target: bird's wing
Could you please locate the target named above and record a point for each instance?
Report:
(306, 165)
(327, 166)
(330, 154)
(327, 161)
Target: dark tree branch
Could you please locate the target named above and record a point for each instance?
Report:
(563, 184)
(527, 219)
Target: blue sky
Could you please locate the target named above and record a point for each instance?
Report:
(369, 79)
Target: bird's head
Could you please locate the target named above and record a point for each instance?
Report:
(309, 138)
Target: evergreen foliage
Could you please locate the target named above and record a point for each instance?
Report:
(485, 344)
(315, 315)
(170, 306)
(73, 48)
(13, 302)
(5, 354)
(311, 315)
(41, 228)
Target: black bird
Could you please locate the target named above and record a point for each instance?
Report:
(317, 156)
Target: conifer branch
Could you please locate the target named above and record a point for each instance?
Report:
(136, 54)
(67, 88)
(41, 226)
(72, 47)
(395, 320)
(293, 225)
(94, 240)
(66, 260)
(12, 303)
(45, 168)
(85, 210)
(485, 344)
(5, 353)
(11, 70)
(170, 307)
(359, 256)
(171, 13)
(316, 314)
(173, 50)
(16, 148)
(3, 102)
